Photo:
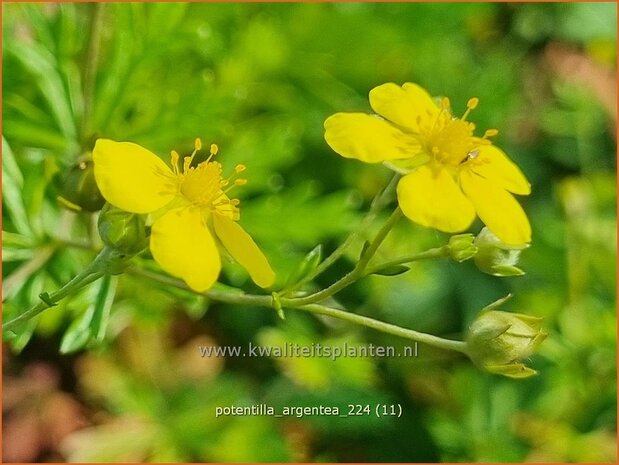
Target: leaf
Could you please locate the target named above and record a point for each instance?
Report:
(306, 266)
(12, 185)
(103, 305)
(394, 270)
(93, 323)
(41, 64)
(16, 247)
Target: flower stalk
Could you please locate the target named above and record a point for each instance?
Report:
(240, 298)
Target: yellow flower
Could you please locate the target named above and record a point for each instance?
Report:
(450, 175)
(189, 209)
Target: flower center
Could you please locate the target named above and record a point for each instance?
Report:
(204, 185)
(451, 140)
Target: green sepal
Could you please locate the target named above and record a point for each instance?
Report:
(393, 270)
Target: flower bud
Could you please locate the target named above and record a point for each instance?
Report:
(461, 247)
(122, 231)
(498, 341)
(495, 257)
(79, 190)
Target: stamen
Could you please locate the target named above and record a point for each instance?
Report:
(240, 182)
(213, 152)
(490, 133)
(240, 168)
(197, 144)
(445, 103)
(174, 157)
(235, 202)
(187, 163)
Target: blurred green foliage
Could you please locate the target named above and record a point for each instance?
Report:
(259, 80)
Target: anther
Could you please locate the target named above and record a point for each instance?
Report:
(240, 168)
(235, 202)
(445, 103)
(213, 152)
(491, 132)
(197, 144)
(240, 182)
(472, 103)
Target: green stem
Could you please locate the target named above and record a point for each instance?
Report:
(359, 270)
(388, 328)
(382, 199)
(241, 298)
(437, 252)
(92, 272)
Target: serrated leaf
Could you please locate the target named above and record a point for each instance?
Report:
(394, 270)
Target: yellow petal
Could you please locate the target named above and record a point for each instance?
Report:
(406, 106)
(368, 138)
(493, 165)
(430, 197)
(244, 250)
(497, 208)
(184, 247)
(131, 177)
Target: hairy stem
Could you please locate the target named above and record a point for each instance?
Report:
(240, 298)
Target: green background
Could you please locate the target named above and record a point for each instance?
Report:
(259, 80)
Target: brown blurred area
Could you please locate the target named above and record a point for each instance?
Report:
(37, 413)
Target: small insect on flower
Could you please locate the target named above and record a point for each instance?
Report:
(190, 209)
(450, 175)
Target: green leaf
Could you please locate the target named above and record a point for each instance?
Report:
(41, 64)
(103, 305)
(16, 247)
(306, 266)
(394, 270)
(93, 323)
(32, 134)
(506, 271)
(12, 185)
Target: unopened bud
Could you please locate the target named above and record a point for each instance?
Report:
(461, 247)
(79, 190)
(122, 231)
(495, 257)
(498, 342)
